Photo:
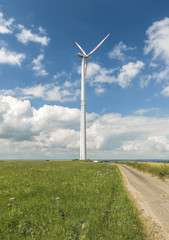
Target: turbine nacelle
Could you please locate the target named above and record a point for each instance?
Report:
(84, 55)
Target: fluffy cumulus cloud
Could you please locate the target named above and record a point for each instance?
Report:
(157, 144)
(27, 122)
(47, 130)
(128, 72)
(165, 91)
(49, 92)
(12, 58)
(158, 38)
(130, 136)
(124, 76)
(26, 36)
(96, 75)
(92, 69)
(53, 131)
(156, 45)
(15, 119)
(118, 52)
(38, 67)
(5, 25)
(159, 77)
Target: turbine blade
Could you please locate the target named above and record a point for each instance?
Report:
(86, 67)
(98, 45)
(80, 48)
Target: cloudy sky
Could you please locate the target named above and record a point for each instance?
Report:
(127, 84)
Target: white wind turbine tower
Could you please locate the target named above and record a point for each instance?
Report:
(84, 56)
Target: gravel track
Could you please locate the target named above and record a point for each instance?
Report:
(152, 198)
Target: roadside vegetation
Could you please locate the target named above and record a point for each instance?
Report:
(160, 170)
(59, 200)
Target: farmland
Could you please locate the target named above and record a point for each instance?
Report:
(160, 170)
(65, 200)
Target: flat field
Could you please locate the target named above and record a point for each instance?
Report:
(59, 200)
(160, 170)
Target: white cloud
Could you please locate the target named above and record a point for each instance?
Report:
(70, 84)
(118, 51)
(99, 90)
(154, 65)
(42, 30)
(12, 58)
(27, 122)
(3, 43)
(105, 76)
(15, 119)
(60, 75)
(130, 136)
(157, 76)
(26, 36)
(165, 91)
(158, 38)
(38, 66)
(125, 75)
(128, 72)
(161, 143)
(145, 80)
(33, 92)
(144, 111)
(5, 25)
(49, 92)
(38, 133)
(92, 69)
(55, 117)
(7, 92)
(157, 44)
(158, 144)
(163, 75)
(53, 131)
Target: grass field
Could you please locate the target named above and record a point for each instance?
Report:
(59, 200)
(160, 170)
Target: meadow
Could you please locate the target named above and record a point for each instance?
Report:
(59, 200)
(160, 170)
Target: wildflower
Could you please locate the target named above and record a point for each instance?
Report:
(12, 198)
(9, 204)
(57, 198)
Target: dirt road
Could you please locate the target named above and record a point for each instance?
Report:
(152, 198)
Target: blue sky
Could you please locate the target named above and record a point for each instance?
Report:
(127, 83)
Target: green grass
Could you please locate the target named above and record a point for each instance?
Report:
(62, 200)
(160, 170)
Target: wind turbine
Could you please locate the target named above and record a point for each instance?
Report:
(84, 56)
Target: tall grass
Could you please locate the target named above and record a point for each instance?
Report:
(160, 170)
(62, 200)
